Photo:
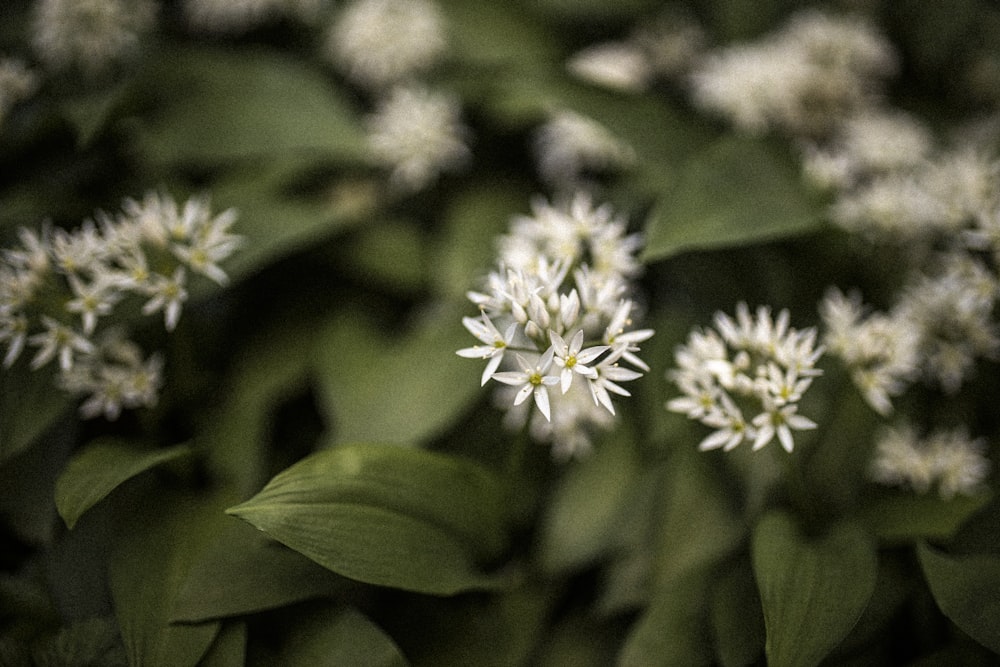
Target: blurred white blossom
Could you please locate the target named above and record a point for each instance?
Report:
(418, 133)
(556, 321)
(947, 458)
(751, 365)
(382, 42)
(89, 35)
(800, 79)
(570, 146)
(617, 65)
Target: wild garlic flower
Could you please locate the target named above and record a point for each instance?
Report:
(555, 322)
(382, 42)
(880, 350)
(17, 83)
(418, 134)
(60, 289)
(621, 66)
(235, 16)
(800, 79)
(751, 365)
(89, 35)
(866, 144)
(570, 147)
(943, 195)
(952, 309)
(949, 459)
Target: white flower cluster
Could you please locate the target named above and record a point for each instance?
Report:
(940, 324)
(664, 47)
(235, 16)
(89, 35)
(753, 362)
(60, 288)
(569, 147)
(417, 133)
(383, 46)
(555, 321)
(799, 79)
(379, 43)
(947, 458)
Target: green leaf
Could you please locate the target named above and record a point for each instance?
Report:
(967, 588)
(92, 641)
(698, 527)
(244, 572)
(99, 468)
(214, 105)
(402, 391)
(674, 628)
(496, 34)
(737, 191)
(580, 519)
(159, 533)
(813, 590)
(901, 516)
(334, 636)
(29, 404)
(229, 648)
(275, 220)
(385, 515)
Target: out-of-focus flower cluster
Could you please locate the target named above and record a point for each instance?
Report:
(60, 292)
(555, 321)
(753, 364)
(949, 459)
(384, 47)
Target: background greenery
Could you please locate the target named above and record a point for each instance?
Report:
(324, 481)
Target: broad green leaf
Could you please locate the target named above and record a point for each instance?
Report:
(396, 390)
(389, 255)
(160, 532)
(99, 468)
(92, 641)
(967, 588)
(896, 516)
(737, 191)
(580, 519)
(813, 590)
(333, 636)
(500, 628)
(698, 527)
(387, 515)
(229, 648)
(674, 628)
(29, 404)
(214, 105)
(244, 572)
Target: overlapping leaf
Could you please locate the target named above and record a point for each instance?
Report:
(387, 515)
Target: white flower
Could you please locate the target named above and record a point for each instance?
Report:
(89, 35)
(91, 301)
(570, 145)
(531, 380)
(58, 340)
(382, 42)
(495, 343)
(946, 457)
(418, 134)
(616, 65)
(572, 359)
(757, 362)
(168, 295)
(607, 373)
